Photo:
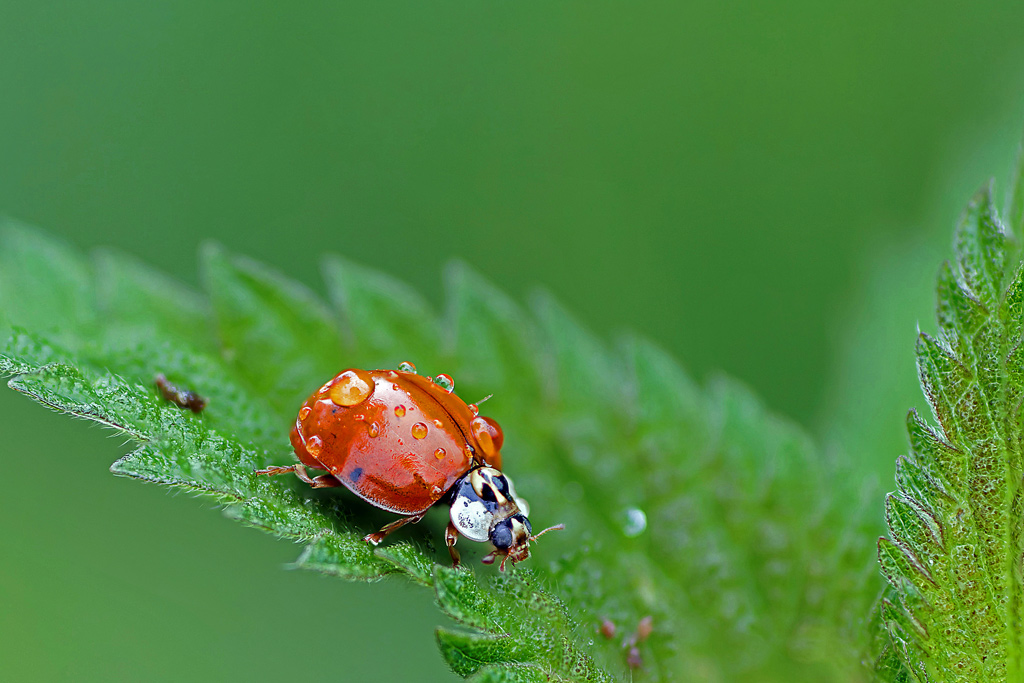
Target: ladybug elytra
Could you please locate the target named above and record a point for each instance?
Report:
(404, 442)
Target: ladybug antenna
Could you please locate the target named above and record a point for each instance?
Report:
(550, 528)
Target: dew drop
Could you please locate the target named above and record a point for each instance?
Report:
(419, 430)
(358, 417)
(400, 410)
(438, 424)
(445, 382)
(484, 439)
(439, 453)
(350, 389)
(304, 413)
(314, 445)
(474, 408)
(634, 522)
(488, 434)
(373, 430)
(406, 366)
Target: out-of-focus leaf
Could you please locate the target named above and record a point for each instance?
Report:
(693, 506)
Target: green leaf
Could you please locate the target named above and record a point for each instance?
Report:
(44, 284)
(138, 301)
(747, 546)
(509, 674)
(953, 555)
(383, 318)
(276, 334)
(490, 338)
(467, 653)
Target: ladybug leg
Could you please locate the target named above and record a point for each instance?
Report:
(376, 538)
(451, 535)
(324, 481)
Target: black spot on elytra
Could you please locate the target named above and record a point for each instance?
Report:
(355, 474)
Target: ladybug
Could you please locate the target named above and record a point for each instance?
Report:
(404, 442)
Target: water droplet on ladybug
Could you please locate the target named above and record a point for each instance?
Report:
(445, 382)
(304, 413)
(438, 423)
(634, 522)
(373, 430)
(474, 408)
(488, 434)
(419, 430)
(400, 410)
(406, 366)
(394, 385)
(439, 453)
(350, 388)
(314, 445)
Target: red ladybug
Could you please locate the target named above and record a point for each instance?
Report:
(404, 442)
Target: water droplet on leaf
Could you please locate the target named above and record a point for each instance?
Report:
(634, 523)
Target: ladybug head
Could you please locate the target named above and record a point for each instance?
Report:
(485, 508)
(511, 539)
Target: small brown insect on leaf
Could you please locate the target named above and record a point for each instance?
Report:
(179, 396)
(633, 659)
(607, 628)
(644, 628)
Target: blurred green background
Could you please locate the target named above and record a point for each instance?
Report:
(764, 188)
